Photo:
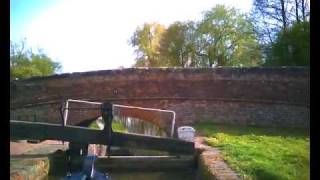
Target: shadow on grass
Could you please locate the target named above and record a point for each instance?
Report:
(262, 174)
(238, 130)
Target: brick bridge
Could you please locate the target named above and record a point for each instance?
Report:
(255, 96)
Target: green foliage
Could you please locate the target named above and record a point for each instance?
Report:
(177, 45)
(147, 42)
(224, 37)
(25, 64)
(292, 47)
(261, 153)
(94, 125)
(283, 31)
(116, 126)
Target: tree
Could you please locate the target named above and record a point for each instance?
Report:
(226, 38)
(269, 16)
(146, 40)
(177, 46)
(272, 19)
(273, 16)
(291, 48)
(25, 64)
(300, 10)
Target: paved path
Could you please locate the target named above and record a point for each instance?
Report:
(45, 147)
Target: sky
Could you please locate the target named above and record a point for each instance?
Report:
(89, 35)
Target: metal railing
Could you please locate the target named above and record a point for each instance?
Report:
(65, 115)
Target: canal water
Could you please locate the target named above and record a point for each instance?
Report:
(144, 175)
(133, 125)
(165, 175)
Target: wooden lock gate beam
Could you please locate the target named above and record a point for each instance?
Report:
(46, 131)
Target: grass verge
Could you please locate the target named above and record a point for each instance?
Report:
(261, 153)
(116, 126)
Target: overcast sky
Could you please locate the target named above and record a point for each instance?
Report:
(86, 35)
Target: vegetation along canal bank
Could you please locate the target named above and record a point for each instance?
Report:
(261, 153)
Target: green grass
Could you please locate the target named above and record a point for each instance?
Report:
(94, 125)
(116, 126)
(261, 153)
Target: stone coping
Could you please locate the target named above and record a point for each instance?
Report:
(210, 163)
(225, 71)
(30, 161)
(27, 167)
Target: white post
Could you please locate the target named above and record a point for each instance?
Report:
(65, 116)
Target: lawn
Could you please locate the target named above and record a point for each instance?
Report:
(116, 126)
(261, 153)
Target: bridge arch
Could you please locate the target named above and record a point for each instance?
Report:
(257, 96)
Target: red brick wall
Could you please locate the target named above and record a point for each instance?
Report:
(261, 96)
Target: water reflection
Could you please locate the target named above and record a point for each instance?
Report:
(128, 125)
(134, 125)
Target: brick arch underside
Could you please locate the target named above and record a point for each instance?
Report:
(84, 117)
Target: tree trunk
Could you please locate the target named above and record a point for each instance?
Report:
(303, 10)
(297, 11)
(283, 14)
(210, 62)
(181, 60)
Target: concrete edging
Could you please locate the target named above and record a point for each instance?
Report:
(210, 163)
(22, 168)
